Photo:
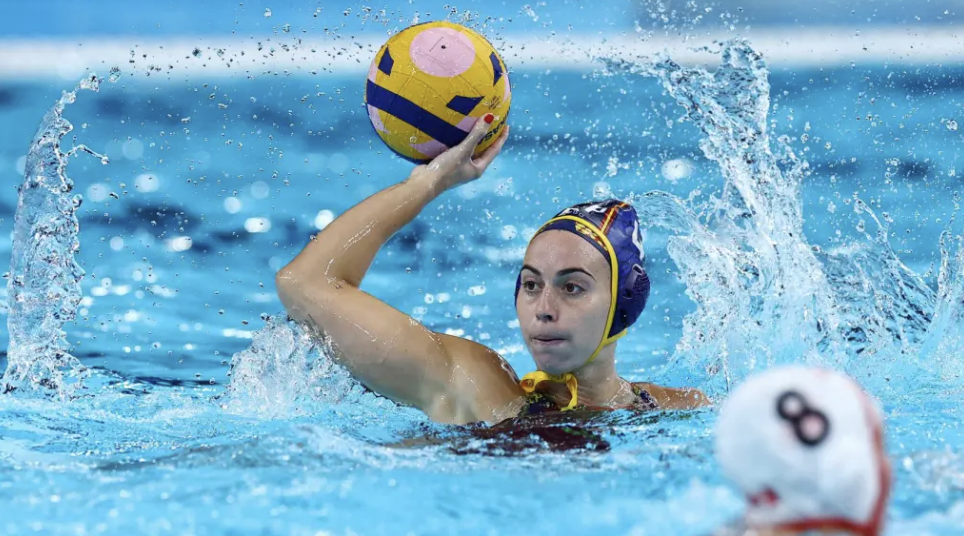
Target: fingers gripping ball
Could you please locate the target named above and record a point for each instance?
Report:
(805, 446)
(430, 83)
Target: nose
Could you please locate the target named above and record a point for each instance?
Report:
(546, 310)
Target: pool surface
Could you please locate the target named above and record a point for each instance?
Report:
(791, 216)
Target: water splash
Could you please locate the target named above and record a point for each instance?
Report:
(286, 371)
(763, 294)
(753, 276)
(44, 283)
(884, 307)
(944, 341)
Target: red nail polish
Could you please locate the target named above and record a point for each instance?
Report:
(489, 118)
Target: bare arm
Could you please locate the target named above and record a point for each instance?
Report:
(449, 378)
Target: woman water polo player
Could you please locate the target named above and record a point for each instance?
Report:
(581, 286)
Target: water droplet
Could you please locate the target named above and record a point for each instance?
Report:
(602, 189)
(952, 125)
(115, 74)
(476, 290)
(267, 12)
(527, 9)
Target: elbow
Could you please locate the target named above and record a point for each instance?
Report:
(284, 281)
(292, 285)
(292, 292)
(289, 284)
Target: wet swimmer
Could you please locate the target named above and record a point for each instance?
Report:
(806, 448)
(582, 285)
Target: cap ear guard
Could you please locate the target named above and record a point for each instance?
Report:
(632, 298)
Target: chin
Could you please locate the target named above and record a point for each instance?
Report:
(550, 363)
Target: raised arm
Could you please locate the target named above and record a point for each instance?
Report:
(449, 378)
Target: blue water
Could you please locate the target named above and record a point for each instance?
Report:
(204, 412)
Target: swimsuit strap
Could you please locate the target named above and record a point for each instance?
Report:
(538, 402)
(646, 400)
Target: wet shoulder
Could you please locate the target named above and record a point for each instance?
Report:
(674, 398)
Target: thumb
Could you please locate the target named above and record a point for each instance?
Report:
(477, 133)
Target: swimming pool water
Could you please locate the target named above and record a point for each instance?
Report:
(196, 422)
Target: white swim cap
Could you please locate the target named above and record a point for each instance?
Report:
(806, 447)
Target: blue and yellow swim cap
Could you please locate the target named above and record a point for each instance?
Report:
(612, 227)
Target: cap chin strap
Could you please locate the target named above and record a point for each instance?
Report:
(532, 380)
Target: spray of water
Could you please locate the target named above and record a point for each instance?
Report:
(763, 294)
(286, 371)
(44, 280)
(943, 344)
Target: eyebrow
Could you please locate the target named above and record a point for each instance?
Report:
(563, 272)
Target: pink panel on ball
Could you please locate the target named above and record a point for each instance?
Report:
(508, 91)
(442, 52)
(431, 148)
(467, 123)
(372, 70)
(376, 119)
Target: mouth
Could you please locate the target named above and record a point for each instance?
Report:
(548, 340)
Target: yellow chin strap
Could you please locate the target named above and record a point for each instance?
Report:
(532, 380)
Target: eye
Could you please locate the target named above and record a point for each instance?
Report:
(529, 286)
(572, 288)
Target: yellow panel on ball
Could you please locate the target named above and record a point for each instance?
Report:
(430, 83)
